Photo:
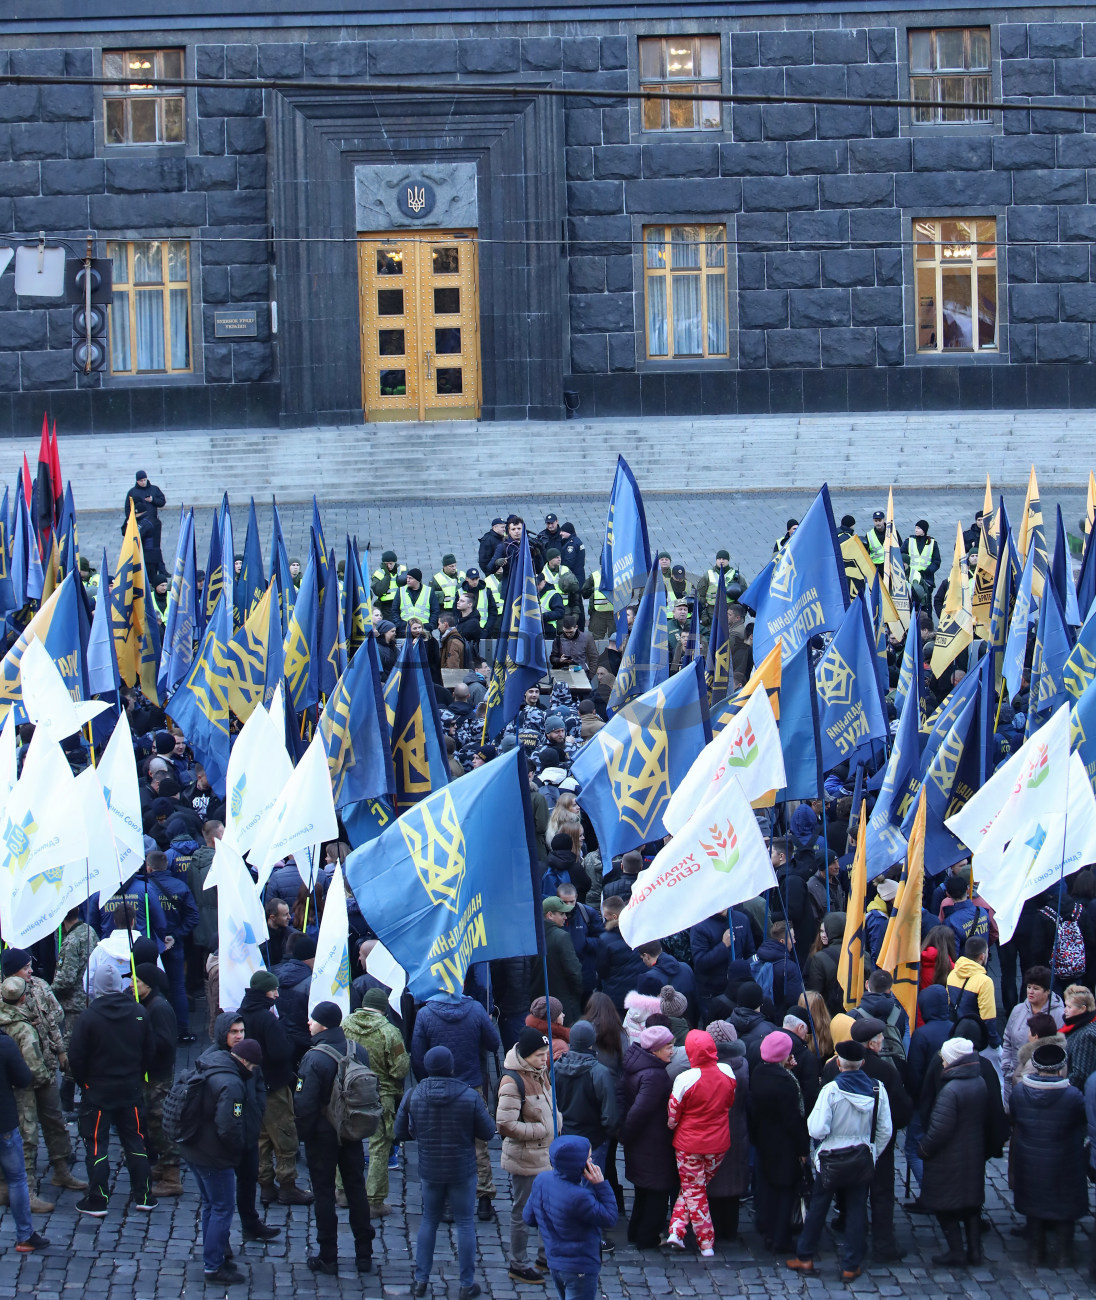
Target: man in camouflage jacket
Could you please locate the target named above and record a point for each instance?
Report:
(388, 1060)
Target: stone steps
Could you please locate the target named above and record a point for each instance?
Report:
(447, 460)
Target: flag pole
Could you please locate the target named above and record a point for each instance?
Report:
(551, 1054)
(1061, 877)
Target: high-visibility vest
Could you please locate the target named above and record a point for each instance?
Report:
(875, 546)
(920, 557)
(483, 604)
(448, 587)
(415, 608)
(382, 572)
(491, 582)
(602, 604)
(713, 584)
(546, 597)
(556, 579)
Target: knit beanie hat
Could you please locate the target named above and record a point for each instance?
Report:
(529, 1041)
(722, 1031)
(249, 1049)
(328, 1014)
(539, 1009)
(438, 1061)
(583, 1036)
(671, 1001)
(375, 1000)
(264, 981)
(955, 1049)
(776, 1047)
(654, 1037)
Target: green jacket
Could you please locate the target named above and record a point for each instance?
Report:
(48, 1018)
(72, 964)
(15, 1020)
(388, 1058)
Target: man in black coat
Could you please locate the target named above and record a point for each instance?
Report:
(111, 1051)
(165, 1173)
(147, 500)
(869, 1032)
(294, 986)
(15, 1073)
(322, 1148)
(446, 1117)
(229, 1117)
(778, 1129)
(278, 1136)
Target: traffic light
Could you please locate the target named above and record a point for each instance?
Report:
(89, 338)
(102, 278)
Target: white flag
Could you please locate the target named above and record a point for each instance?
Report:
(1044, 850)
(117, 773)
(258, 769)
(748, 748)
(331, 969)
(717, 859)
(46, 698)
(384, 967)
(238, 937)
(40, 831)
(302, 817)
(277, 711)
(98, 872)
(1031, 783)
(9, 761)
(226, 858)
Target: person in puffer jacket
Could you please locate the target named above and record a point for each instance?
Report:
(697, 1112)
(586, 1094)
(572, 1205)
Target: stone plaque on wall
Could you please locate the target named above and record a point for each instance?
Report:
(438, 195)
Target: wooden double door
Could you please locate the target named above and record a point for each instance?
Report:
(419, 305)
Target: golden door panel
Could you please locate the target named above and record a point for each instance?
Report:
(420, 325)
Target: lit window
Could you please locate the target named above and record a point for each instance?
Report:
(950, 65)
(685, 283)
(955, 262)
(138, 113)
(150, 311)
(684, 63)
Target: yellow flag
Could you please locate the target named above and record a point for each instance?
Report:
(1031, 534)
(1090, 503)
(127, 603)
(956, 630)
(51, 573)
(850, 966)
(987, 503)
(894, 573)
(246, 657)
(900, 954)
(985, 572)
(859, 570)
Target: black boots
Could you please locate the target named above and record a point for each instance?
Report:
(953, 1257)
(974, 1238)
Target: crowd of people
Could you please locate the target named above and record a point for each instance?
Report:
(720, 1067)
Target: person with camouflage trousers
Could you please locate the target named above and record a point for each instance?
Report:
(45, 1014)
(16, 1023)
(165, 1175)
(389, 1061)
(68, 984)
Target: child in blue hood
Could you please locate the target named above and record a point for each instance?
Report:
(572, 1205)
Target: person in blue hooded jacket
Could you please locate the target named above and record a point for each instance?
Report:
(572, 1205)
(181, 913)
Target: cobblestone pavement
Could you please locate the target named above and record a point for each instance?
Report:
(140, 1256)
(691, 527)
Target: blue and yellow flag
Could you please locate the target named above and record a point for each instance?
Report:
(1080, 668)
(900, 953)
(51, 569)
(798, 725)
(419, 757)
(1061, 574)
(1016, 642)
(850, 712)
(717, 667)
(364, 821)
(1053, 644)
(7, 588)
(1082, 734)
(886, 844)
(1032, 540)
(691, 646)
(357, 606)
(200, 706)
(318, 540)
(254, 658)
(520, 658)
(912, 672)
(181, 623)
(879, 634)
(70, 550)
(214, 575)
(977, 684)
(999, 609)
(804, 590)
(250, 586)
(626, 552)
(279, 565)
(951, 779)
(455, 879)
(630, 767)
(302, 659)
(331, 641)
(26, 562)
(355, 732)
(646, 658)
(1086, 580)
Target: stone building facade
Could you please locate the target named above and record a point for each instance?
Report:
(316, 251)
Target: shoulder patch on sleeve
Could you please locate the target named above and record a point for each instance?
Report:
(237, 1109)
(300, 1084)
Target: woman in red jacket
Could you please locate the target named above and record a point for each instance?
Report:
(697, 1113)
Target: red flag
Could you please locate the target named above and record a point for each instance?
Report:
(44, 503)
(26, 480)
(55, 476)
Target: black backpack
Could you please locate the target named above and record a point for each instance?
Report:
(183, 1105)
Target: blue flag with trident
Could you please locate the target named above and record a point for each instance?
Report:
(626, 552)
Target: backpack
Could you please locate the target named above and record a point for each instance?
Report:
(183, 1105)
(1069, 943)
(894, 1048)
(354, 1110)
(761, 972)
